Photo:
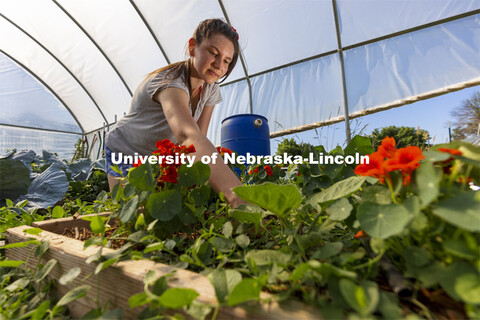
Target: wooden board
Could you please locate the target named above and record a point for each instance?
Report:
(117, 283)
(59, 225)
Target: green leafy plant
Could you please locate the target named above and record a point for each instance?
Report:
(377, 240)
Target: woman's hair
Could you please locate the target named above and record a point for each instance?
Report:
(205, 30)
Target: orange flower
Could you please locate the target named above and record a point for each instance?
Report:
(388, 158)
(448, 164)
(361, 234)
(406, 160)
(387, 148)
(454, 152)
(374, 167)
(465, 180)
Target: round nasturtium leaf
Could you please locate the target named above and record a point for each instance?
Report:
(197, 174)
(279, 199)
(164, 205)
(467, 287)
(141, 177)
(449, 276)
(416, 256)
(382, 221)
(460, 210)
(339, 210)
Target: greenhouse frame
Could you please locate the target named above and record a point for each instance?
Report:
(68, 69)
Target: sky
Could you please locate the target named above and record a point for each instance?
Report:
(431, 115)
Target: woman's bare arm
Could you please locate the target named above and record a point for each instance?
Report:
(204, 119)
(175, 106)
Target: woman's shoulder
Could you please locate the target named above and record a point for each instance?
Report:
(167, 76)
(213, 95)
(162, 80)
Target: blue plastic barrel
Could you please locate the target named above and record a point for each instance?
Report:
(246, 133)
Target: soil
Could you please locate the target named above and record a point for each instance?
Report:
(83, 234)
(437, 301)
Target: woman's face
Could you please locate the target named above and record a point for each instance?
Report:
(211, 57)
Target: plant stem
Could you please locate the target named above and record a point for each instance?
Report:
(314, 222)
(215, 312)
(425, 310)
(392, 193)
(369, 262)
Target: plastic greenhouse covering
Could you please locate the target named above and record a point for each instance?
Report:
(68, 68)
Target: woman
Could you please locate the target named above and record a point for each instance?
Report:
(176, 102)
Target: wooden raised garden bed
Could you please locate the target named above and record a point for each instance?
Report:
(117, 283)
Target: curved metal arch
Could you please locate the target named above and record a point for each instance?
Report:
(46, 86)
(150, 30)
(242, 60)
(346, 111)
(95, 44)
(39, 129)
(58, 60)
(283, 66)
(410, 30)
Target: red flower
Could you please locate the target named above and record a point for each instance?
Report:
(454, 152)
(222, 151)
(164, 147)
(268, 170)
(253, 171)
(169, 175)
(374, 167)
(184, 149)
(387, 148)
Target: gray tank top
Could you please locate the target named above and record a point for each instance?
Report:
(145, 122)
